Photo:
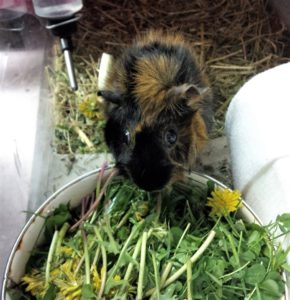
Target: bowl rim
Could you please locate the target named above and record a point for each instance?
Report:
(73, 182)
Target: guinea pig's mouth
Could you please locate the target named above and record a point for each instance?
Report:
(122, 169)
(148, 179)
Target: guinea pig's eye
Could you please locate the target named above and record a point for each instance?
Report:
(127, 137)
(170, 137)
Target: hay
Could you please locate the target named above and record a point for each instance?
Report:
(234, 40)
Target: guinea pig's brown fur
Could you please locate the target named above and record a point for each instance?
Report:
(158, 109)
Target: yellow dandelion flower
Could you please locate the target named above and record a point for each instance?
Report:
(66, 250)
(142, 210)
(66, 280)
(66, 269)
(90, 107)
(113, 291)
(224, 201)
(96, 279)
(117, 277)
(35, 283)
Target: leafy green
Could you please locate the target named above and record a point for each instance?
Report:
(50, 293)
(255, 274)
(57, 219)
(242, 261)
(87, 292)
(284, 222)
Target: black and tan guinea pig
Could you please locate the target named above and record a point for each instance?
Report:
(158, 109)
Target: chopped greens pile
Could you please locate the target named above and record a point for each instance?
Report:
(125, 243)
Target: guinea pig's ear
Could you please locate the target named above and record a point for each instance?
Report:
(189, 92)
(110, 96)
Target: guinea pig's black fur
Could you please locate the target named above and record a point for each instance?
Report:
(158, 110)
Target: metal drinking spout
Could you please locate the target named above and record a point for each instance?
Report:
(61, 19)
(66, 47)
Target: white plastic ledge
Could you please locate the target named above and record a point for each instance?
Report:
(258, 132)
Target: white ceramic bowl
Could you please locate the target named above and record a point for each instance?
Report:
(72, 193)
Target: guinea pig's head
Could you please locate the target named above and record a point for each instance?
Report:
(154, 139)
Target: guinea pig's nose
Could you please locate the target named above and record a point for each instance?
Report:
(152, 179)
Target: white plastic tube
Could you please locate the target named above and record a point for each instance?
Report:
(104, 67)
(258, 132)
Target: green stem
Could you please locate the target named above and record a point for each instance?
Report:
(61, 236)
(87, 258)
(230, 221)
(50, 256)
(94, 217)
(108, 231)
(189, 279)
(168, 267)
(182, 237)
(104, 265)
(96, 258)
(279, 235)
(100, 177)
(124, 219)
(193, 259)
(235, 253)
(190, 212)
(163, 278)
(142, 267)
(82, 258)
(240, 242)
(130, 266)
(236, 271)
(79, 264)
(124, 249)
(271, 250)
(252, 293)
(97, 201)
(165, 273)
(98, 188)
(157, 280)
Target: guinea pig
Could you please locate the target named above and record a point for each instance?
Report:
(158, 108)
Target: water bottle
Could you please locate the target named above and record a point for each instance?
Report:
(57, 9)
(61, 20)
